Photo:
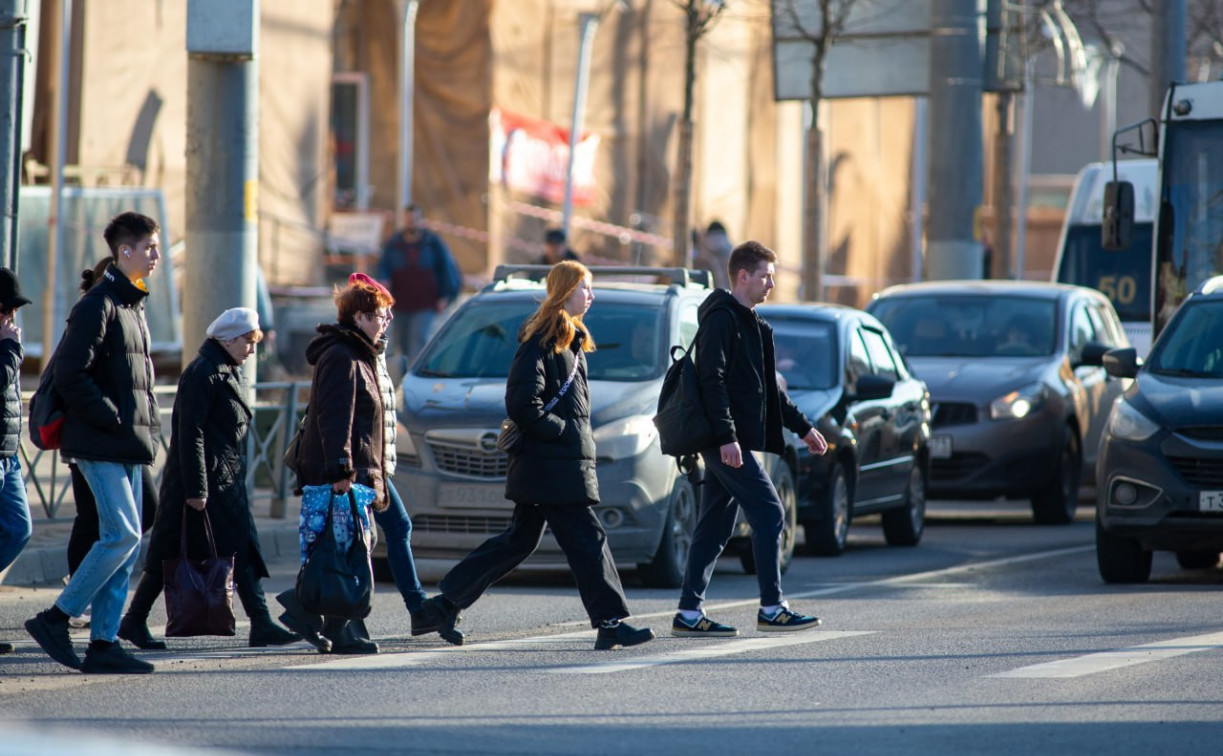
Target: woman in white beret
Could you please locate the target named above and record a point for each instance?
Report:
(206, 472)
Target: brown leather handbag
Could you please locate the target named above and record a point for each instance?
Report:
(199, 592)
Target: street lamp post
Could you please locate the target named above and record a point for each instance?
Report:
(588, 24)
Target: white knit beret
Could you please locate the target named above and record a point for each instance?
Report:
(233, 323)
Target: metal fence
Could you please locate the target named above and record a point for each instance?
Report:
(277, 410)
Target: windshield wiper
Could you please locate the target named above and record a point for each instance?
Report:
(1184, 373)
(434, 373)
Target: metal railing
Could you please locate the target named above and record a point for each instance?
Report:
(276, 411)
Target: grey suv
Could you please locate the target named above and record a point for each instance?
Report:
(450, 472)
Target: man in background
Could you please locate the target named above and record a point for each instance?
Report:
(417, 267)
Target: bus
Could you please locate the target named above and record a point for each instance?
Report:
(1187, 245)
(1123, 276)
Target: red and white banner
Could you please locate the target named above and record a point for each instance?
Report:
(532, 156)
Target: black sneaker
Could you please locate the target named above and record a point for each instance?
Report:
(443, 615)
(355, 646)
(137, 633)
(621, 635)
(111, 659)
(267, 633)
(784, 621)
(702, 627)
(54, 639)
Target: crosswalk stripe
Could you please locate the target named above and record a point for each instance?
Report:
(1117, 658)
(727, 648)
(417, 658)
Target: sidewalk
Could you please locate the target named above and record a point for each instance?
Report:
(45, 559)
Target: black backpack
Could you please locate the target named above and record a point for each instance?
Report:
(47, 409)
(683, 427)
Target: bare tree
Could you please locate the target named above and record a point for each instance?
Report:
(833, 16)
(699, 18)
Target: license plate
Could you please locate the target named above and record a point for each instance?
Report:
(1210, 501)
(940, 447)
(470, 495)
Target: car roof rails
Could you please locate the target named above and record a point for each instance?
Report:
(674, 276)
(1212, 285)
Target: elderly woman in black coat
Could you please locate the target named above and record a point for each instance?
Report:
(206, 472)
(551, 477)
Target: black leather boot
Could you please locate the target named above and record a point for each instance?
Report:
(264, 632)
(348, 637)
(134, 627)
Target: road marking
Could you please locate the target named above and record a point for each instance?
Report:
(417, 658)
(1118, 658)
(727, 648)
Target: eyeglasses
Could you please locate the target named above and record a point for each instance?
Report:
(385, 318)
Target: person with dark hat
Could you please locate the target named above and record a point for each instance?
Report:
(16, 527)
(555, 248)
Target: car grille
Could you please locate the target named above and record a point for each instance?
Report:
(459, 524)
(469, 460)
(1202, 432)
(960, 465)
(954, 413)
(1199, 472)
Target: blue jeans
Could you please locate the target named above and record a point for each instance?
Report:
(725, 490)
(103, 575)
(411, 330)
(16, 527)
(397, 527)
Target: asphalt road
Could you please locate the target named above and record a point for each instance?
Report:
(993, 636)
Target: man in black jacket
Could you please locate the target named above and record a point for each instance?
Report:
(16, 527)
(747, 410)
(112, 428)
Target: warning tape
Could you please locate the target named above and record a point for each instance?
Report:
(624, 234)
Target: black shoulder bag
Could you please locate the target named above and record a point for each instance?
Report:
(509, 440)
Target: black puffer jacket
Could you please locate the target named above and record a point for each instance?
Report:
(207, 460)
(343, 436)
(11, 355)
(738, 371)
(556, 464)
(105, 376)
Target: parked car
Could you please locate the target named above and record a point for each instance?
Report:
(1019, 394)
(450, 472)
(1160, 470)
(843, 371)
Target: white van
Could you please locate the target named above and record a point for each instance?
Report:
(1123, 276)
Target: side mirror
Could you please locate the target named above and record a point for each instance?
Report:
(1121, 363)
(1093, 353)
(397, 367)
(1117, 229)
(870, 387)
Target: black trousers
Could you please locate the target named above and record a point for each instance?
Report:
(581, 537)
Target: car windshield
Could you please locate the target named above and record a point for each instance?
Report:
(1193, 343)
(479, 341)
(806, 353)
(970, 325)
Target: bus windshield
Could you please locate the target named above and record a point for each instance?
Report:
(1122, 276)
(1190, 214)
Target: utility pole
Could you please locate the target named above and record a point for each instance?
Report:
(12, 58)
(222, 165)
(1167, 50)
(60, 18)
(955, 189)
(407, 100)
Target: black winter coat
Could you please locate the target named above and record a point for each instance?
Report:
(207, 460)
(104, 374)
(556, 463)
(344, 424)
(738, 373)
(11, 355)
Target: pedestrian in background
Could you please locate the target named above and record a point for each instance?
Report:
(747, 410)
(555, 248)
(16, 527)
(343, 441)
(713, 253)
(394, 521)
(205, 474)
(551, 477)
(418, 269)
(111, 428)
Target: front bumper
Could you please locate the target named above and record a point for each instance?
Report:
(989, 458)
(1152, 491)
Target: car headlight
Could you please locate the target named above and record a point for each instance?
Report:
(627, 438)
(405, 448)
(1017, 404)
(1128, 424)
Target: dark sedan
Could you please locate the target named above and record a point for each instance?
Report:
(1160, 470)
(842, 370)
(1015, 377)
